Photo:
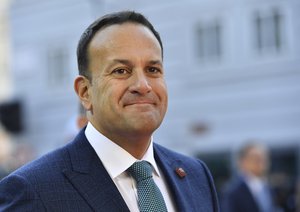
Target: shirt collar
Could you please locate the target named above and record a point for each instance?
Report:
(255, 183)
(115, 159)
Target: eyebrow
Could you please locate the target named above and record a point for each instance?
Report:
(122, 61)
(129, 63)
(155, 62)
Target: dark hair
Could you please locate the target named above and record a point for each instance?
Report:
(102, 22)
(245, 149)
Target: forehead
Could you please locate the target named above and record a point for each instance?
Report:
(256, 152)
(120, 36)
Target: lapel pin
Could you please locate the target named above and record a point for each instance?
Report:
(180, 172)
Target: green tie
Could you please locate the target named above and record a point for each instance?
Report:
(149, 197)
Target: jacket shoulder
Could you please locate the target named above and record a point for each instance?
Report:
(22, 189)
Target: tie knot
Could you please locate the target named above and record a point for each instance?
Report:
(140, 170)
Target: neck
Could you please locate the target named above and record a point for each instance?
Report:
(135, 145)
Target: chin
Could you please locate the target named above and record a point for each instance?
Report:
(145, 125)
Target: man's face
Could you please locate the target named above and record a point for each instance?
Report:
(256, 161)
(127, 93)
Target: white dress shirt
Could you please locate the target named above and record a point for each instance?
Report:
(259, 189)
(116, 161)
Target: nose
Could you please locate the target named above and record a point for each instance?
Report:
(140, 84)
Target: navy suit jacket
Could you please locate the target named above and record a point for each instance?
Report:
(237, 197)
(73, 178)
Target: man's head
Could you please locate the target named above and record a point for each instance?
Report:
(253, 159)
(121, 81)
(105, 21)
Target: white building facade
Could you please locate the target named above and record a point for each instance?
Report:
(5, 82)
(232, 69)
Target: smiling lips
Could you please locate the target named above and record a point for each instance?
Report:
(139, 103)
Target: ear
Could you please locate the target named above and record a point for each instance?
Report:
(81, 87)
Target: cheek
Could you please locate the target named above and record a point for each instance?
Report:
(108, 95)
(98, 97)
(161, 88)
(165, 100)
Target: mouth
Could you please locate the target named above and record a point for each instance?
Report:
(139, 103)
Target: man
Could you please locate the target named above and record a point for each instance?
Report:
(122, 87)
(249, 191)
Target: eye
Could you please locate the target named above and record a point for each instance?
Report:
(120, 71)
(154, 70)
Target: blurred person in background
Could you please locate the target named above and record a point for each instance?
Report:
(297, 197)
(81, 120)
(75, 124)
(6, 149)
(249, 191)
(122, 87)
(22, 154)
(12, 154)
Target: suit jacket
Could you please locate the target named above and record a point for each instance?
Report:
(73, 178)
(237, 197)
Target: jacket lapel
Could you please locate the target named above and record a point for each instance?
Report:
(179, 185)
(246, 193)
(90, 178)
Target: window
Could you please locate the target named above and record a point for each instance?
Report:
(268, 28)
(208, 41)
(58, 66)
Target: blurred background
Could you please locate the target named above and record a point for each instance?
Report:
(232, 69)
